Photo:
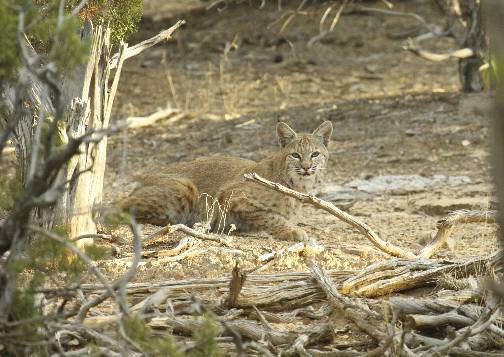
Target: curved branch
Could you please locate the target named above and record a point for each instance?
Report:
(363, 228)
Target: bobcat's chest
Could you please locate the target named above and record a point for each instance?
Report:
(283, 205)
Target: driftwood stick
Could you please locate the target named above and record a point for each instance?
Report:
(142, 46)
(140, 122)
(428, 321)
(446, 226)
(189, 231)
(183, 245)
(363, 228)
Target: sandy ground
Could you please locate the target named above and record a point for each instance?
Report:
(235, 74)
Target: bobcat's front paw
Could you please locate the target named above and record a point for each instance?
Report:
(290, 233)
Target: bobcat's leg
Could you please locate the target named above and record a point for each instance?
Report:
(170, 201)
(250, 216)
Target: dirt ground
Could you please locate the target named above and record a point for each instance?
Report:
(235, 73)
(393, 114)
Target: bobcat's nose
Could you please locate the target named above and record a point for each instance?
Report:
(305, 169)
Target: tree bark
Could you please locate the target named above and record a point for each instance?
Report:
(87, 98)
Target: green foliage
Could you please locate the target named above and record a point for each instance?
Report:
(142, 334)
(96, 252)
(24, 306)
(113, 217)
(48, 255)
(68, 51)
(121, 15)
(9, 54)
(11, 189)
(60, 44)
(206, 345)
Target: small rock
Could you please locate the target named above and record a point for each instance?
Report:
(466, 143)
(371, 68)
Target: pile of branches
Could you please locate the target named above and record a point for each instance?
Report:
(248, 307)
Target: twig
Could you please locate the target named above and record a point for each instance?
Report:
(109, 290)
(418, 18)
(335, 21)
(120, 283)
(360, 316)
(140, 122)
(412, 46)
(363, 228)
(142, 46)
(446, 226)
(485, 320)
(189, 231)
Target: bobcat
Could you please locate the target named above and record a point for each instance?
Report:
(182, 194)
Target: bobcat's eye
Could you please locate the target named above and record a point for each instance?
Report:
(296, 156)
(315, 154)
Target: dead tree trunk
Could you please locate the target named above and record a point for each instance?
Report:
(86, 100)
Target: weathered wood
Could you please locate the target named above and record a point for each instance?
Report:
(359, 314)
(398, 274)
(429, 321)
(494, 13)
(238, 278)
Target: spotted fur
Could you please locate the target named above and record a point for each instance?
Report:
(186, 193)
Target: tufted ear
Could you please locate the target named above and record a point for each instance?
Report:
(285, 134)
(324, 132)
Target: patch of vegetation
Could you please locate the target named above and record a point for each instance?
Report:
(205, 337)
(121, 15)
(60, 44)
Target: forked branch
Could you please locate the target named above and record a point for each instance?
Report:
(142, 46)
(446, 226)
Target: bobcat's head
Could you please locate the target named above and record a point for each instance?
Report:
(305, 155)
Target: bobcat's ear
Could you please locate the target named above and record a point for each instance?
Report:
(324, 132)
(285, 134)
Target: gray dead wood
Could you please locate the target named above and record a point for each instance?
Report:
(398, 275)
(358, 313)
(466, 26)
(238, 278)
(248, 329)
(429, 321)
